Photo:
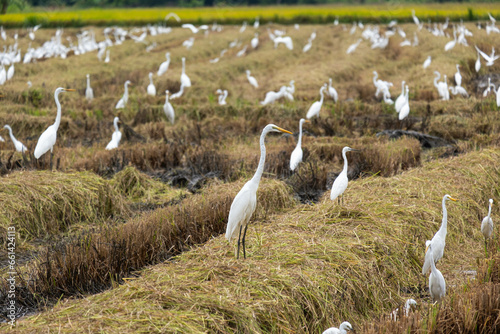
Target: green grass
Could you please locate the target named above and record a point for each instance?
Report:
(230, 14)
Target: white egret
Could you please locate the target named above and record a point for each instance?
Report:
(48, 137)
(405, 109)
(307, 47)
(382, 86)
(427, 62)
(343, 328)
(401, 98)
(185, 81)
(193, 29)
(490, 59)
(478, 62)
(410, 303)
(297, 153)
(151, 86)
(458, 90)
(10, 72)
(89, 92)
(332, 91)
(106, 60)
(340, 183)
(17, 144)
(437, 284)
(255, 41)
(458, 76)
(488, 88)
(178, 94)
(438, 241)
(117, 135)
(168, 109)
(487, 225)
(450, 45)
(353, 47)
(316, 106)
(164, 66)
(273, 96)
(222, 96)
(245, 201)
(252, 80)
(123, 101)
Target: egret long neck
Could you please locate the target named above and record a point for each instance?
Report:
(58, 117)
(322, 96)
(88, 81)
(126, 90)
(116, 125)
(345, 162)
(444, 222)
(262, 161)
(299, 142)
(489, 212)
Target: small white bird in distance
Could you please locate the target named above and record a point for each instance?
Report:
(151, 86)
(332, 91)
(487, 226)
(193, 29)
(244, 203)
(405, 109)
(123, 101)
(490, 59)
(340, 183)
(458, 76)
(117, 135)
(164, 66)
(410, 303)
(437, 284)
(17, 144)
(315, 108)
(185, 81)
(255, 41)
(353, 47)
(427, 62)
(343, 328)
(252, 80)
(401, 98)
(477, 66)
(296, 157)
(89, 92)
(168, 109)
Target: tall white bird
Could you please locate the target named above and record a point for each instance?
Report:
(178, 94)
(427, 62)
(10, 72)
(405, 109)
(185, 81)
(478, 63)
(151, 86)
(273, 96)
(451, 44)
(343, 328)
(164, 66)
(401, 98)
(168, 109)
(115, 138)
(437, 284)
(490, 59)
(89, 92)
(340, 183)
(255, 41)
(244, 203)
(48, 137)
(222, 96)
(458, 90)
(438, 241)
(332, 91)
(316, 106)
(252, 80)
(193, 29)
(123, 101)
(17, 144)
(458, 76)
(297, 153)
(487, 224)
(353, 47)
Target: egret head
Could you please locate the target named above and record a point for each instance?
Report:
(218, 91)
(448, 197)
(345, 326)
(61, 89)
(248, 72)
(275, 128)
(150, 75)
(88, 76)
(166, 92)
(303, 120)
(128, 83)
(491, 200)
(410, 302)
(348, 149)
(167, 55)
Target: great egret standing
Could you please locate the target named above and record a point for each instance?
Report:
(478, 63)
(297, 153)
(343, 328)
(427, 62)
(438, 241)
(123, 101)
(252, 80)
(48, 137)
(487, 226)
(458, 76)
(245, 201)
(451, 44)
(340, 183)
(255, 41)
(316, 106)
(437, 284)
(332, 91)
(151, 86)
(401, 98)
(405, 109)
(17, 144)
(115, 138)
(164, 66)
(168, 109)
(89, 92)
(185, 81)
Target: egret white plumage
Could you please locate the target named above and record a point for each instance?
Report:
(490, 59)
(427, 62)
(458, 90)
(252, 80)
(115, 138)
(332, 91)
(123, 101)
(273, 96)
(48, 138)
(222, 96)
(10, 72)
(450, 45)
(245, 201)
(168, 109)
(89, 92)
(477, 65)
(255, 41)
(297, 153)
(17, 144)
(185, 81)
(401, 98)
(343, 328)
(164, 66)
(458, 76)
(405, 109)
(340, 183)
(487, 225)
(151, 86)
(437, 284)
(315, 108)
(353, 47)
(438, 241)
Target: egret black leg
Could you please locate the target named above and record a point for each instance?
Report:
(51, 157)
(243, 241)
(239, 236)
